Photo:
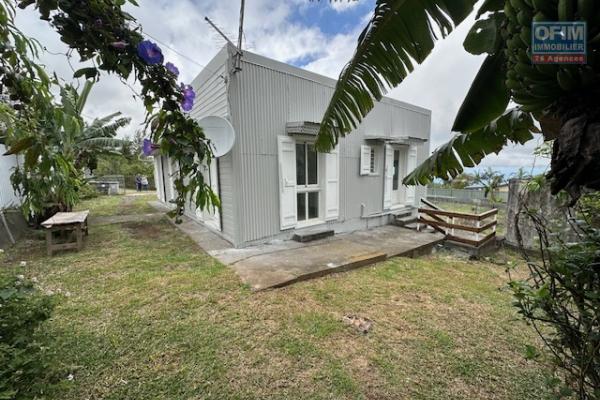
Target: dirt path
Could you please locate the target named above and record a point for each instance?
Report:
(131, 208)
(117, 219)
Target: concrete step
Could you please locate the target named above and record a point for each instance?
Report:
(415, 226)
(405, 212)
(309, 236)
(412, 225)
(427, 228)
(405, 220)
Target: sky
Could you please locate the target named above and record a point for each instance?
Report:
(316, 35)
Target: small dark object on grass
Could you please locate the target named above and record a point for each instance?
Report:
(362, 325)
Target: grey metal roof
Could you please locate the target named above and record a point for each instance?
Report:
(396, 139)
(302, 128)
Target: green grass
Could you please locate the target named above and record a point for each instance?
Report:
(118, 205)
(144, 314)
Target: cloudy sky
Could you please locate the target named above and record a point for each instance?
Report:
(316, 35)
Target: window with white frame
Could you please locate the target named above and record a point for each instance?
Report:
(368, 160)
(307, 182)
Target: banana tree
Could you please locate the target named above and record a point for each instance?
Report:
(98, 138)
(86, 141)
(56, 149)
(562, 99)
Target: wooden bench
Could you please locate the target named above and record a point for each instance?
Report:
(73, 223)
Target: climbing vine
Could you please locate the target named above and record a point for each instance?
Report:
(110, 38)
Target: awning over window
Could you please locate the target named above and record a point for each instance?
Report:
(302, 128)
(408, 140)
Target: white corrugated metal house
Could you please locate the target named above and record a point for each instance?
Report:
(272, 183)
(8, 198)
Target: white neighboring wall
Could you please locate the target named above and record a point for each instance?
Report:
(8, 197)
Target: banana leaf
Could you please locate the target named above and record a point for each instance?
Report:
(468, 149)
(399, 34)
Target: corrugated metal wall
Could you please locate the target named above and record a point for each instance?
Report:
(211, 99)
(267, 94)
(8, 198)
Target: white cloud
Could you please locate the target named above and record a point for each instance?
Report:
(292, 43)
(442, 82)
(343, 5)
(339, 51)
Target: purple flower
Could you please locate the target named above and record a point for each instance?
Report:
(149, 147)
(150, 52)
(172, 69)
(120, 45)
(188, 97)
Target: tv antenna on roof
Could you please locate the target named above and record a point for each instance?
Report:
(238, 56)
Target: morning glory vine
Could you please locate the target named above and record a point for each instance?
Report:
(102, 33)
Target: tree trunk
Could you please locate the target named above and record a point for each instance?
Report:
(576, 152)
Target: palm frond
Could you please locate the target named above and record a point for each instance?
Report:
(107, 131)
(99, 143)
(400, 33)
(487, 97)
(468, 149)
(82, 97)
(68, 99)
(105, 120)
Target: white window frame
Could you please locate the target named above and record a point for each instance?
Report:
(309, 188)
(368, 161)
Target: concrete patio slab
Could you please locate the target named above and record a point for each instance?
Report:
(283, 262)
(289, 262)
(204, 237)
(397, 241)
(283, 268)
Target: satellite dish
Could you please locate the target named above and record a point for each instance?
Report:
(220, 133)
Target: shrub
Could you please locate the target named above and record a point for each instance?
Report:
(561, 297)
(22, 310)
(88, 192)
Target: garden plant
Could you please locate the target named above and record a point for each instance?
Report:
(111, 40)
(560, 98)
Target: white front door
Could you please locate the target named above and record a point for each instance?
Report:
(394, 194)
(308, 190)
(388, 176)
(309, 183)
(397, 197)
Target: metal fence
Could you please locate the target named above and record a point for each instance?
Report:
(126, 182)
(463, 195)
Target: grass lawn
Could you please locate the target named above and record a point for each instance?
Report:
(144, 314)
(119, 205)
